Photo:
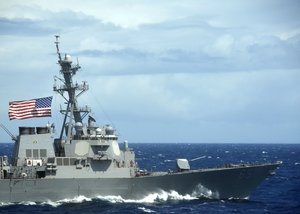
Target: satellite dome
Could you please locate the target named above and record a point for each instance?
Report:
(109, 130)
(68, 58)
(98, 131)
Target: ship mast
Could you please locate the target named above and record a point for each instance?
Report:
(74, 90)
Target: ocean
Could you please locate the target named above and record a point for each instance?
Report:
(278, 194)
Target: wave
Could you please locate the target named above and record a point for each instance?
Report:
(157, 197)
(2, 204)
(169, 161)
(161, 196)
(26, 203)
(146, 210)
(238, 199)
(203, 192)
(75, 200)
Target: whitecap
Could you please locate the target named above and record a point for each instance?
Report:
(234, 198)
(78, 199)
(111, 198)
(27, 203)
(146, 210)
(2, 204)
(51, 203)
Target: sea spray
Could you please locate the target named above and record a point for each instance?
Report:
(156, 197)
(203, 192)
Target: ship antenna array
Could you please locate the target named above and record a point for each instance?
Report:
(74, 90)
(57, 48)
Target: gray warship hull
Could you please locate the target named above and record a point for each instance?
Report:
(218, 183)
(88, 161)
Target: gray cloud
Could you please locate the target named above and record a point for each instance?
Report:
(23, 27)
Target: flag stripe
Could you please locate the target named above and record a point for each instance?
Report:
(45, 112)
(24, 109)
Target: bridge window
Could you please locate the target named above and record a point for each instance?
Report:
(43, 153)
(72, 161)
(28, 153)
(50, 160)
(35, 153)
(59, 161)
(66, 161)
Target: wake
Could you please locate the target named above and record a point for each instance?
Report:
(157, 197)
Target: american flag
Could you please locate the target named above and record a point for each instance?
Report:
(20, 110)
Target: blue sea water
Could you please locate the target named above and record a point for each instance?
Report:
(278, 194)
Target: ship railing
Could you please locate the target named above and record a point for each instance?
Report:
(76, 86)
(94, 137)
(85, 109)
(247, 164)
(239, 165)
(1, 167)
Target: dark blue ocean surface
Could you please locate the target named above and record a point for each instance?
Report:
(277, 194)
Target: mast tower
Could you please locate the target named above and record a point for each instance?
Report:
(73, 112)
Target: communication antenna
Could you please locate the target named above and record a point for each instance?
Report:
(77, 61)
(57, 48)
(8, 132)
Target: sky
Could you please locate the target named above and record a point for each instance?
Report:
(194, 71)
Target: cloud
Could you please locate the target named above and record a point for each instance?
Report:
(32, 20)
(122, 53)
(180, 40)
(22, 27)
(224, 102)
(215, 96)
(224, 54)
(211, 69)
(188, 44)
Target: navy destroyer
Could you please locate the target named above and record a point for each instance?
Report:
(85, 159)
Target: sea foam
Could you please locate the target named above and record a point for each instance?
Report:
(161, 196)
(156, 197)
